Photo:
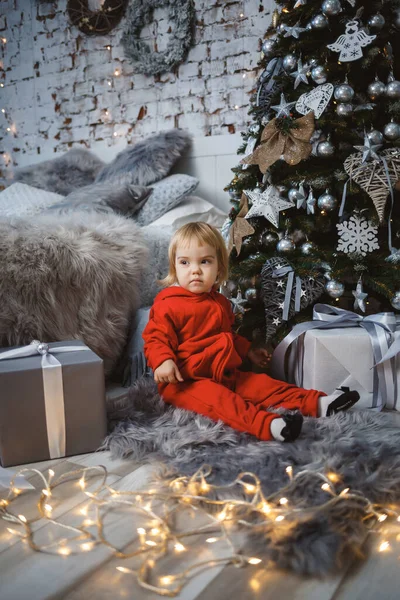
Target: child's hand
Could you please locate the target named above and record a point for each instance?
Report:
(260, 357)
(167, 372)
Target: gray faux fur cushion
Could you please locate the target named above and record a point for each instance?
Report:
(66, 277)
(106, 197)
(149, 160)
(62, 175)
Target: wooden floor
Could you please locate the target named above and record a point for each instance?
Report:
(25, 574)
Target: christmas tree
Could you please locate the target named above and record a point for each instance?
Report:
(315, 215)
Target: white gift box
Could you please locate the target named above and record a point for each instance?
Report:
(326, 359)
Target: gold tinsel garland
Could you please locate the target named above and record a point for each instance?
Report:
(160, 538)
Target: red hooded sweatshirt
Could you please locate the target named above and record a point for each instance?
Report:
(195, 331)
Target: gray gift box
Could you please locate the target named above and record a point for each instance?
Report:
(25, 429)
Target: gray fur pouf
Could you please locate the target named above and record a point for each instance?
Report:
(362, 447)
(73, 276)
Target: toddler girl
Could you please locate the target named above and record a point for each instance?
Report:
(195, 356)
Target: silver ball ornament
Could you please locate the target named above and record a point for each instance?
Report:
(392, 131)
(334, 288)
(254, 128)
(307, 248)
(393, 89)
(325, 149)
(344, 93)
(319, 22)
(251, 294)
(375, 136)
(395, 301)
(285, 245)
(344, 110)
(376, 21)
(331, 7)
(269, 238)
(289, 62)
(293, 194)
(268, 46)
(319, 74)
(376, 89)
(327, 202)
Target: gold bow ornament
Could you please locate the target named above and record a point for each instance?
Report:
(292, 143)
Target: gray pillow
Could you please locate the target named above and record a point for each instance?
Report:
(149, 160)
(106, 197)
(166, 194)
(62, 175)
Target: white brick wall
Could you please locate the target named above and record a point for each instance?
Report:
(56, 79)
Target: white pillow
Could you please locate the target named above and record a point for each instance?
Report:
(192, 208)
(21, 199)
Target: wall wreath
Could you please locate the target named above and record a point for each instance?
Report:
(96, 22)
(140, 13)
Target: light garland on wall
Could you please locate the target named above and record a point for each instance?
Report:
(159, 537)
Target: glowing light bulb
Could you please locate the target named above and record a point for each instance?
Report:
(48, 508)
(123, 570)
(141, 531)
(167, 579)
(266, 508)
(283, 501)
(254, 561)
(179, 547)
(154, 531)
(46, 493)
(3, 110)
(211, 540)
(81, 483)
(151, 543)
(250, 488)
(87, 546)
(382, 518)
(64, 551)
(22, 518)
(115, 134)
(51, 473)
(279, 518)
(326, 487)
(117, 72)
(236, 106)
(384, 546)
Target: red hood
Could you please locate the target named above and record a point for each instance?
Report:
(178, 291)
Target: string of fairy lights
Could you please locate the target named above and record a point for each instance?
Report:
(223, 510)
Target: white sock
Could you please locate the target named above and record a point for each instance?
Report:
(276, 427)
(324, 402)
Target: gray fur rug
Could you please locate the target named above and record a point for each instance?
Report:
(361, 446)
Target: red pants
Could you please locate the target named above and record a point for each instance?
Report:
(242, 401)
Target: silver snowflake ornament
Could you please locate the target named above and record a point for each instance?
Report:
(283, 108)
(267, 204)
(357, 235)
(359, 296)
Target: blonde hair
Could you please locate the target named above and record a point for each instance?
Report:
(204, 234)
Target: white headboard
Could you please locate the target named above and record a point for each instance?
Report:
(211, 160)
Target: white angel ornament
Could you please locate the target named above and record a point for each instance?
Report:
(350, 44)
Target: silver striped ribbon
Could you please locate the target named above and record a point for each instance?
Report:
(381, 329)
